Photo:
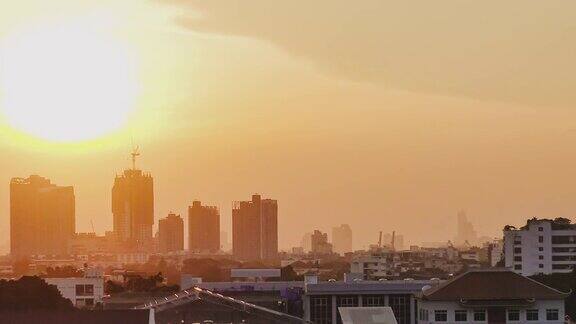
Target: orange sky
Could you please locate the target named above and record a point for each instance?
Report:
(387, 115)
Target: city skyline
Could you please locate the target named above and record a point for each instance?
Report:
(431, 114)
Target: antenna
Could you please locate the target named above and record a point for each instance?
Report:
(92, 223)
(134, 154)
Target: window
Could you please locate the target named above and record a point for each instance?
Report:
(518, 267)
(552, 315)
(540, 257)
(89, 302)
(518, 259)
(441, 315)
(84, 290)
(532, 315)
(513, 315)
(321, 309)
(540, 266)
(540, 229)
(373, 301)
(518, 250)
(479, 315)
(461, 315)
(540, 249)
(423, 314)
(400, 305)
(540, 239)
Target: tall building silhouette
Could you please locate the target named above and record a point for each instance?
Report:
(342, 239)
(42, 217)
(133, 206)
(465, 230)
(171, 233)
(203, 227)
(255, 229)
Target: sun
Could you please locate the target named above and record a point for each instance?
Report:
(68, 81)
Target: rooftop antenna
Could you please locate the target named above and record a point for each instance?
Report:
(134, 154)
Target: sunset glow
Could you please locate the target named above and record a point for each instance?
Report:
(67, 81)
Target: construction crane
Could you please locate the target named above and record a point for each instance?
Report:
(134, 154)
(380, 240)
(393, 239)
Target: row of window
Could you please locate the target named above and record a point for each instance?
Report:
(480, 315)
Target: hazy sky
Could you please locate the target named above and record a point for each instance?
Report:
(387, 115)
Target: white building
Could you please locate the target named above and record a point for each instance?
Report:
(491, 296)
(540, 246)
(83, 291)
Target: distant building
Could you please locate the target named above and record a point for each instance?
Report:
(491, 296)
(171, 233)
(342, 239)
(255, 229)
(42, 217)
(133, 207)
(495, 251)
(320, 243)
(203, 228)
(306, 242)
(465, 231)
(541, 246)
(225, 244)
(395, 239)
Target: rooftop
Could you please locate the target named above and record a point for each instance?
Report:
(491, 284)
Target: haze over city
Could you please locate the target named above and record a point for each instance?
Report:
(394, 121)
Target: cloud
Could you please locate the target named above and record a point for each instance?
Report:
(516, 50)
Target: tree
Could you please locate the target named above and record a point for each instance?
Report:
(288, 274)
(31, 293)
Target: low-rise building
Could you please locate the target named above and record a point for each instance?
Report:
(82, 291)
(491, 296)
(322, 299)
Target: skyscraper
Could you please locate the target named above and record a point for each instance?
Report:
(465, 231)
(133, 206)
(171, 233)
(320, 243)
(203, 227)
(342, 239)
(255, 229)
(42, 217)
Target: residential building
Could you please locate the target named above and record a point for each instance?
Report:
(203, 228)
(491, 296)
(171, 233)
(84, 291)
(42, 217)
(322, 299)
(320, 243)
(342, 239)
(541, 246)
(255, 229)
(133, 207)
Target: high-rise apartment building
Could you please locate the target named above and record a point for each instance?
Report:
(320, 243)
(541, 246)
(171, 233)
(255, 229)
(133, 207)
(42, 217)
(203, 228)
(342, 239)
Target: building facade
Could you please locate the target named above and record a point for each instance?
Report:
(342, 239)
(541, 246)
(133, 207)
(320, 244)
(322, 299)
(171, 234)
(203, 228)
(491, 296)
(82, 291)
(42, 217)
(255, 229)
